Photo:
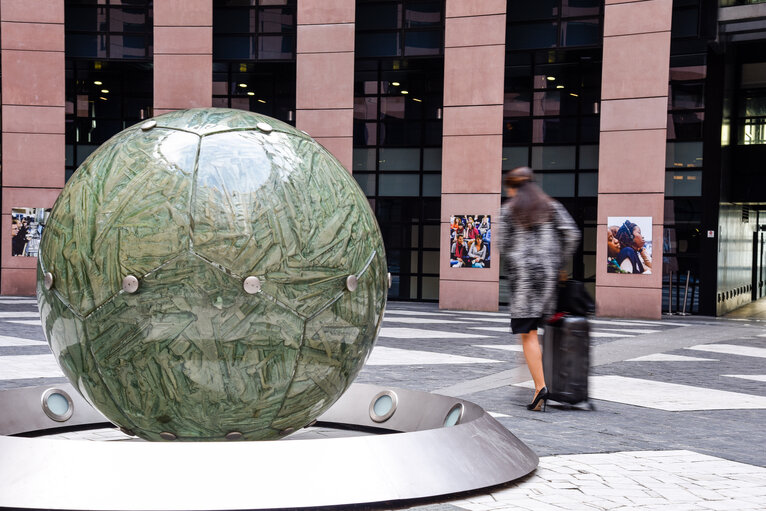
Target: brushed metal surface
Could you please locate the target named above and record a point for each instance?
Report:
(423, 459)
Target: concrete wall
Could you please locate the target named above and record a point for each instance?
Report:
(472, 144)
(631, 179)
(324, 71)
(183, 54)
(32, 46)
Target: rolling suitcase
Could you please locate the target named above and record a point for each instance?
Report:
(566, 359)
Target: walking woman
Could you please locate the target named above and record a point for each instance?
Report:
(537, 239)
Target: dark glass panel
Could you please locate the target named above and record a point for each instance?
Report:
(687, 67)
(272, 20)
(554, 130)
(571, 8)
(233, 47)
(278, 47)
(533, 35)
(685, 125)
(85, 19)
(589, 129)
(433, 133)
(378, 16)
(365, 133)
(128, 20)
(685, 22)
(378, 45)
(127, 47)
(400, 133)
(686, 95)
(426, 14)
(581, 32)
(517, 130)
(555, 102)
(516, 104)
(233, 21)
(423, 42)
(522, 10)
(86, 45)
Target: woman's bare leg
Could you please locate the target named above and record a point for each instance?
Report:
(534, 356)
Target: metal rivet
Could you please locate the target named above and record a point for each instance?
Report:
(234, 435)
(167, 435)
(266, 128)
(48, 280)
(252, 285)
(287, 431)
(351, 283)
(130, 284)
(389, 281)
(148, 125)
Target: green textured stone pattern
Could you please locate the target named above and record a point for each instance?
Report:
(191, 208)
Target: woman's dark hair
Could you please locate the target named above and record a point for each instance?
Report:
(625, 234)
(531, 206)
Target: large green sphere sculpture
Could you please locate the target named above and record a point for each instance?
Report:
(211, 274)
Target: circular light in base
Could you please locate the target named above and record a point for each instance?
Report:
(264, 127)
(351, 283)
(167, 435)
(57, 405)
(48, 280)
(148, 125)
(454, 415)
(383, 405)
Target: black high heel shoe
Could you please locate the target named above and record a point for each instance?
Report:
(541, 399)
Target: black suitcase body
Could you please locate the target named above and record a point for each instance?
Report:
(566, 359)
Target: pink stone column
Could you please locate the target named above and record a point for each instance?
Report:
(324, 99)
(33, 75)
(474, 70)
(183, 54)
(632, 148)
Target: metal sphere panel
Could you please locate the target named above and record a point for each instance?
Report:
(200, 269)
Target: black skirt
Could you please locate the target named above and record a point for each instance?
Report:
(524, 325)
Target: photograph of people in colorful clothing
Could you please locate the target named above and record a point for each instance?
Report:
(470, 241)
(629, 245)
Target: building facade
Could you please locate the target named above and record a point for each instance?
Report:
(646, 111)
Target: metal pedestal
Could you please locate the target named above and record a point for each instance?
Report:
(419, 457)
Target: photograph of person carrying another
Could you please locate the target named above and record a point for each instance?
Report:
(27, 226)
(470, 239)
(629, 244)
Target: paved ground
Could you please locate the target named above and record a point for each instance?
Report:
(680, 404)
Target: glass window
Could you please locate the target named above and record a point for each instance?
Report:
(516, 104)
(553, 157)
(399, 185)
(363, 159)
(683, 183)
(515, 157)
(377, 45)
(523, 10)
(685, 95)
(580, 32)
(588, 157)
(587, 184)
(554, 130)
(366, 182)
(683, 154)
(423, 42)
(432, 158)
(685, 22)
(432, 185)
(573, 8)
(378, 16)
(427, 14)
(753, 75)
(517, 130)
(685, 125)
(557, 185)
(399, 159)
(534, 35)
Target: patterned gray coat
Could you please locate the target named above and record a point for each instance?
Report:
(533, 258)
